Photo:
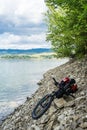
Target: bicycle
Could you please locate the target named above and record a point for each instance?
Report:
(43, 105)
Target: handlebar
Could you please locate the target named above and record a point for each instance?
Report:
(55, 82)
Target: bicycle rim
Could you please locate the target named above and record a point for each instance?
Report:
(42, 106)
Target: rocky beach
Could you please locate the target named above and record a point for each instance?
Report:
(66, 113)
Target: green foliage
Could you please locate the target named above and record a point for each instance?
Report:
(67, 26)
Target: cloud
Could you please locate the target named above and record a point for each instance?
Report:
(8, 40)
(22, 25)
(23, 30)
(21, 12)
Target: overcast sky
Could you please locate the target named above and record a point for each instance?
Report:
(22, 25)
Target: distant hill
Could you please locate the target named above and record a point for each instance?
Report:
(28, 51)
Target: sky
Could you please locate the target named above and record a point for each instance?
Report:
(22, 24)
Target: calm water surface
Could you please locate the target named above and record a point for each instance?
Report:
(18, 79)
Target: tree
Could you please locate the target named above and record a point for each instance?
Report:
(67, 26)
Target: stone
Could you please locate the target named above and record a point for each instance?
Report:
(40, 82)
(59, 102)
(33, 127)
(51, 122)
(80, 99)
(52, 110)
(78, 128)
(44, 119)
(82, 93)
(70, 104)
(85, 118)
(83, 125)
(68, 114)
(61, 117)
(61, 127)
(76, 117)
(50, 125)
(73, 125)
(28, 98)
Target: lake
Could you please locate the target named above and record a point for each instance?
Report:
(18, 79)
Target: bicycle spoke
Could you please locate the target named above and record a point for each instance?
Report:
(42, 107)
(45, 103)
(38, 111)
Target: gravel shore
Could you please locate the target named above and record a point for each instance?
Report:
(64, 114)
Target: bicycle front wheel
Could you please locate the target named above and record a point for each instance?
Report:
(42, 106)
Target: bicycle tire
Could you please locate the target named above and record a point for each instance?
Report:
(35, 115)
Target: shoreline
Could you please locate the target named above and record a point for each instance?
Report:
(21, 118)
(28, 98)
(43, 55)
(12, 103)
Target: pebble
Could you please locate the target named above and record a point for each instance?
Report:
(65, 113)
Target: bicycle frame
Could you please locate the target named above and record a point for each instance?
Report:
(43, 105)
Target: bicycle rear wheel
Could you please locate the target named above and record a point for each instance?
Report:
(42, 106)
